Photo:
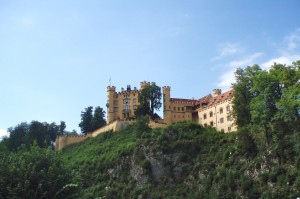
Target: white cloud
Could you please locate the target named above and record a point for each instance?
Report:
(284, 59)
(227, 49)
(288, 53)
(227, 78)
(293, 40)
(3, 133)
(249, 60)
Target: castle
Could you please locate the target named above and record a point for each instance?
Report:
(210, 110)
(214, 111)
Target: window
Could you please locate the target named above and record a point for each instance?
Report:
(126, 107)
(115, 109)
(126, 100)
(178, 108)
(204, 116)
(174, 116)
(134, 107)
(221, 120)
(182, 108)
(174, 108)
(115, 102)
(134, 100)
(229, 128)
(189, 108)
(228, 118)
(205, 124)
(221, 110)
(211, 123)
(210, 114)
(227, 108)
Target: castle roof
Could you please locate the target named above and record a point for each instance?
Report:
(220, 98)
(203, 100)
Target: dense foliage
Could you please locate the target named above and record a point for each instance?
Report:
(150, 100)
(36, 173)
(89, 121)
(270, 99)
(185, 160)
(25, 134)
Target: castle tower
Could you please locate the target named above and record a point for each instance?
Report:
(110, 103)
(167, 104)
(217, 92)
(144, 84)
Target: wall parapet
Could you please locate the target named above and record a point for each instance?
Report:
(65, 140)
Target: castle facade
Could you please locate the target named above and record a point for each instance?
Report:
(210, 110)
(122, 105)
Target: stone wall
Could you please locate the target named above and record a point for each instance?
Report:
(63, 141)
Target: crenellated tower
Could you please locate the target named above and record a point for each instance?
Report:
(110, 103)
(167, 104)
(144, 84)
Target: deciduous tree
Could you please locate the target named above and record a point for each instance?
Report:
(150, 100)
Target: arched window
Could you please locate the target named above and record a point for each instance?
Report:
(126, 100)
(211, 123)
(221, 120)
(228, 108)
(221, 110)
(204, 116)
(210, 114)
(126, 107)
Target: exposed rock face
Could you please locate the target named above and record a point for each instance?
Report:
(138, 174)
(163, 168)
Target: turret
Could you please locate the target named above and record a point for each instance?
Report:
(110, 103)
(217, 92)
(167, 104)
(144, 84)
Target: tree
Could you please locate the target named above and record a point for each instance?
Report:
(25, 134)
(39, 132)
(98, 118)
(89, 121)
(62, 127)
(86, 120)
(37, 173)
(17, 136)
(243, 94)
(269, 99)
(150, 100)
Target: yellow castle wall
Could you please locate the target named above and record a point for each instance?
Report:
(222, 121)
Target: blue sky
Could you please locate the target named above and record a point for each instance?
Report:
(56, 57)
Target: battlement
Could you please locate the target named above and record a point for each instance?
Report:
(217, 92)
(111, 88)
(166, 88)
(144, 84)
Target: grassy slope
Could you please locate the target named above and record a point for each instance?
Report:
(196, 162)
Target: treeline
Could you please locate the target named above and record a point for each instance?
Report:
(266, 107)
(268, 98)
(25, 134)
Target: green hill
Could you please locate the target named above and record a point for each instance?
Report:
(185, 160)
